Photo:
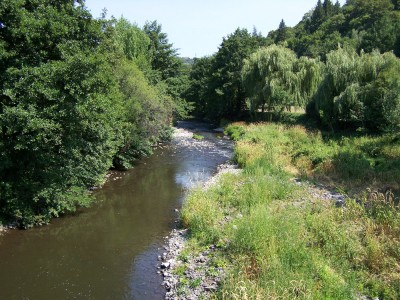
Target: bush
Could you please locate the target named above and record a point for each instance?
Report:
(57, 140)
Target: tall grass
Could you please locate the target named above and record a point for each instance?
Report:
(285, 243)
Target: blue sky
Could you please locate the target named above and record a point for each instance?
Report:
(196, 28)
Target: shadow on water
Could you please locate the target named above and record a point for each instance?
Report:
(109, 251)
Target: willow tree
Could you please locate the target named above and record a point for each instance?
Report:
(133, 42)
(360, 90)
(276, 79)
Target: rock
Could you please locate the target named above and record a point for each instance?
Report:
(165, 265)
(196, 266)
(201, 259)
(210, 288)
(340, 203)
(337, 197)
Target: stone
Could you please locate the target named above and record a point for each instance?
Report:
(210, 288)
(340, 203)
(165, 265)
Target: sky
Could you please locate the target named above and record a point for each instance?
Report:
(196, 28)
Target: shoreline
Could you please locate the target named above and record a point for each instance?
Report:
(185, 273)
(189, 275)
(190, 272)
(196, 281)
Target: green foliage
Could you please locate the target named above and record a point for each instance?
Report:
(281, 35)
(74, 102)
(59, 132)
(198, 137)
(198, 91)
(163, 56)
(133, 43)
(362, 25)
(147, 114)
(222, 91)
(168, 71)
(276, 79)
(361, 90)
(317, 18)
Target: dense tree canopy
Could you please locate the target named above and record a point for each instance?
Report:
(222, 94)
(164, 58)
(134, 43)
(75, 100)
(199, 91)
(360, 90)
(276, 79)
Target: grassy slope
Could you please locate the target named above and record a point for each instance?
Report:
(282, 242)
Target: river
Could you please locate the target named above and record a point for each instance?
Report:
(109, 251)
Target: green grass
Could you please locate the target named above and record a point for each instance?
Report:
(284, 243)
(349, 162)
(198, 137)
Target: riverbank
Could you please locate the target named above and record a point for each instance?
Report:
(270, 233)
(6, 227)
(190, 272)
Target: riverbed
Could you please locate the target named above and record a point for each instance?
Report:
(109, 251)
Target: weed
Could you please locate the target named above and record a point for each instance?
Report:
(195, 283)
(198, 137)
(286, 248)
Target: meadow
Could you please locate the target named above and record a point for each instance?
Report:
(278, 239)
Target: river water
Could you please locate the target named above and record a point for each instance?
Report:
(109, 251)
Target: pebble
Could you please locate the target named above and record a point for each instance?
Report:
(165, 265)
(196, 264)
(319, 191)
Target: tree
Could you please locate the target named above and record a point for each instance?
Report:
(360, 90)
(227, 97)
(276, 79)
(169, 73)
(281, 33)
(198, 91)
(72, 102)
(317, 17)
(328, 8)
(147, 114)
(363, 14)
(163, 56)
(336, 8)
(133, 42)
(383, 34)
